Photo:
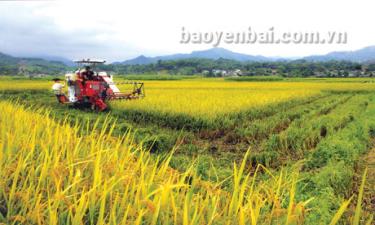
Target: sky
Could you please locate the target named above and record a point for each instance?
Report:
(120, 30)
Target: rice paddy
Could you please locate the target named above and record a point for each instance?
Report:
(212, 98)
(202, 151)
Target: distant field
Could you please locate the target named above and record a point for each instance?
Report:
(209, 99)
(215, 102)
(10, 84)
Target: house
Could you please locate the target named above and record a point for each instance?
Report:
(225, 73)
(205, 72)
(219, 73)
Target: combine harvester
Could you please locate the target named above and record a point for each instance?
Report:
(88, 88)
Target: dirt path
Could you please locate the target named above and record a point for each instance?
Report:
(368, 203)
(369, 196)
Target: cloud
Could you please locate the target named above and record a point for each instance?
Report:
(117, 30)
(24, 32)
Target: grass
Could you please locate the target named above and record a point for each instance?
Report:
(331, 165)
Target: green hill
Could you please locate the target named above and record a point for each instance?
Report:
(14, 66)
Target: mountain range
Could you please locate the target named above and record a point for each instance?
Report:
(213, 53)
(362, 55)
(38, 63)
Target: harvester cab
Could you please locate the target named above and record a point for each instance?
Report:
(89, 88)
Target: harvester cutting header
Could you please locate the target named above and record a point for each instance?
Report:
(90, 88)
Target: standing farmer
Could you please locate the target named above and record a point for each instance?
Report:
(57, 90)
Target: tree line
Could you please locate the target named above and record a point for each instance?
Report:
(207, 67)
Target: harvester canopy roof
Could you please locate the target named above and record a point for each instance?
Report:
(90, 61)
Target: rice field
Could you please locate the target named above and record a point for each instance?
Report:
(199, 151)
(50, 174)
(213, 98)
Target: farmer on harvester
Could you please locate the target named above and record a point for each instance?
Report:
(88, 74)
